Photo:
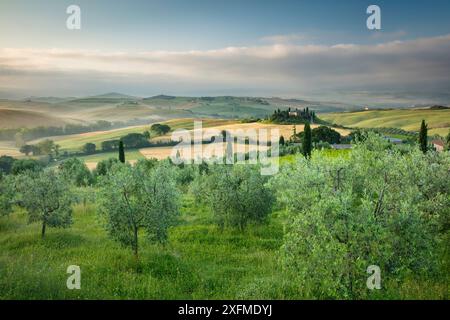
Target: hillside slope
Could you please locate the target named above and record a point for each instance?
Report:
(10, 118)
(136, 110)
(407, 119)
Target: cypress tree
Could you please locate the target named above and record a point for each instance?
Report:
(448, 141)
(423, 137)
(121, 152)
(282, 141)
(307, 141)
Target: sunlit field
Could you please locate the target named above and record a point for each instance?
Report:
(406, 119)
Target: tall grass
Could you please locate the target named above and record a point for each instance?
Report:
(199, 262)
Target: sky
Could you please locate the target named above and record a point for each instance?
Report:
(316, 49)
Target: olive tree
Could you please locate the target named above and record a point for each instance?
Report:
(379, 206)
(46, 197)
(132, 199)
(104, 166)
(76, 172)
(6, 194)
(237, 195)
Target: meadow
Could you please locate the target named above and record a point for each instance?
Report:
(76, 141)
(8, 148)
(10, 118)
(407, 119)
(199, 262)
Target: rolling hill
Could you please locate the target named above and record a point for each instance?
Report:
(438, 119)
(132, 111)
(135, 110)
(74, 142)
(11, 118)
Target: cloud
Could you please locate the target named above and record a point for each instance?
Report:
(285, 38)
(277, 69)
(382, 35)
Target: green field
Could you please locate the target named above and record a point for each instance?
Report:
(406, 119)
(200, 261)
(130, 155)
(76, 141)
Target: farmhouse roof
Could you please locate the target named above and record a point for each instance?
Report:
(438, 142)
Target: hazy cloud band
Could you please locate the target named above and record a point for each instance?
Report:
(421, 64)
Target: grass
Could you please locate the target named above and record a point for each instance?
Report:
(406, 119)
(130, 155)
(200, 261)
(10, 118)
(8, 148)
(329, 153)
(76, 141)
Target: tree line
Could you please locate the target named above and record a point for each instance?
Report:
(293, 116)
(27, 134)
(48, 147)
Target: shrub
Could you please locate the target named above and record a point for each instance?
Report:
(160, 129)
(104, 166)
(46, 197)
(6, 164)
(23, 165)
(135, 140)
(6, 194)
(131, 200)
(75, 171)
(376, 207)
(89, 148)
(110, 145)
(237, 195)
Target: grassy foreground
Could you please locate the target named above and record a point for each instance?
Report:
(199, 262)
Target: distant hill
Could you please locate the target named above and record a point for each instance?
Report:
(111, 97)
(115, 95)
(436, 107)
(119, 107)
(48, 99)
(29, 119)
(162, 97)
